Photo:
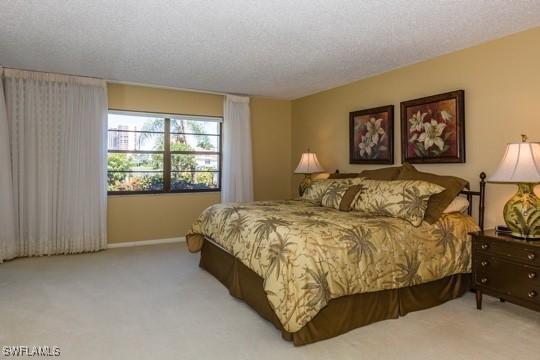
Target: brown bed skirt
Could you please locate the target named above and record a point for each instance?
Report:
(340, 315)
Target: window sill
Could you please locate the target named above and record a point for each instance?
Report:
(115, 195)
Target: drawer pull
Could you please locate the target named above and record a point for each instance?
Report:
(485, 247)
(531, 256)
(532, 294)
(484, 280)
(532, 275)
(484, 263)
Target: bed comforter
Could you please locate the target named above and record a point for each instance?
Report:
(308, 254)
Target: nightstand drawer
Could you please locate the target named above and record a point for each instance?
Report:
(506, 267)
(515, 251)
(515, 280)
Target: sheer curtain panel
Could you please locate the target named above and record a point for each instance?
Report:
(8, 235)
(237, 176)
(57, 129)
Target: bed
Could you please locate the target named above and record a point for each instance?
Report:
(317, 272)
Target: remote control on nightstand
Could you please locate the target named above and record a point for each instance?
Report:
(503, 229)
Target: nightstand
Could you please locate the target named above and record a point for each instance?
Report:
(507, 268)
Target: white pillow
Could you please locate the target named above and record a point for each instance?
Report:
(459, 204)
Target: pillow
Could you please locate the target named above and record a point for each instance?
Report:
(386, 173)
(404, 199)
(318, 188)
(343, 175)
(340, 194)
(459, 204)
(437, 203)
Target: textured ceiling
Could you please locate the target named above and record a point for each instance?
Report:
(277, 48)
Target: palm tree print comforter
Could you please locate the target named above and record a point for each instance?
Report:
(308, 254)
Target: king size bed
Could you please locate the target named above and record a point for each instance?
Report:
(316, 272)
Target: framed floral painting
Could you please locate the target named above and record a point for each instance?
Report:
(371, 136)
(433, 129)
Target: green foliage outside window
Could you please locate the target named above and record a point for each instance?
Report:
(118, 162)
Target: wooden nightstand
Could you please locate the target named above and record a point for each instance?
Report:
(507, 268)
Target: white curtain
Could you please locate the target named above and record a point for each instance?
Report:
(58, 143)
(237, 177)
(8, 233)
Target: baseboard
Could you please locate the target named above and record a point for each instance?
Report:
(146, 242)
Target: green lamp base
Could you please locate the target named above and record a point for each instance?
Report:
(522, 213)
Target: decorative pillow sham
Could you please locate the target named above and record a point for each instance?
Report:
(340, 194)
(318, 188)
(404, 199)
(437, 203)
(459, 204)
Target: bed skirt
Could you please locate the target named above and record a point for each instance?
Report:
(340, 315)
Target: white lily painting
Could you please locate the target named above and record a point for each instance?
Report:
(371, 137)
(433, 129)
(430, 132)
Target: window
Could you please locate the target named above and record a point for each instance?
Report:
(158, 153)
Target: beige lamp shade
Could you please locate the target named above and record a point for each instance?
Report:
(309, 164)
(520, 164)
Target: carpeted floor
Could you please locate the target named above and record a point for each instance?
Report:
(154, 302)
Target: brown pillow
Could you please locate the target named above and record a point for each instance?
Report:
(343, 175)
(386, 173)
(437, 203)
(349, 196)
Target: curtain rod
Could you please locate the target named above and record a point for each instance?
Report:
(128, 82)
(48, 72)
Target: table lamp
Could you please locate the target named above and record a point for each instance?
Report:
(308, 165)
(521, 165)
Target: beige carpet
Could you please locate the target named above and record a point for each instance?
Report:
(154, 302)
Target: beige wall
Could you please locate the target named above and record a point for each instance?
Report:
(501, 80)
(142, 98)
(146, 217)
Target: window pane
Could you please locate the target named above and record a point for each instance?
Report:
(191, 162)
(123, 135)
(181, 142)
(135, 181)
(138, 132)
(128, 140)
(136, 123)
(194, 180)
(180, 125)
(134, 162)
